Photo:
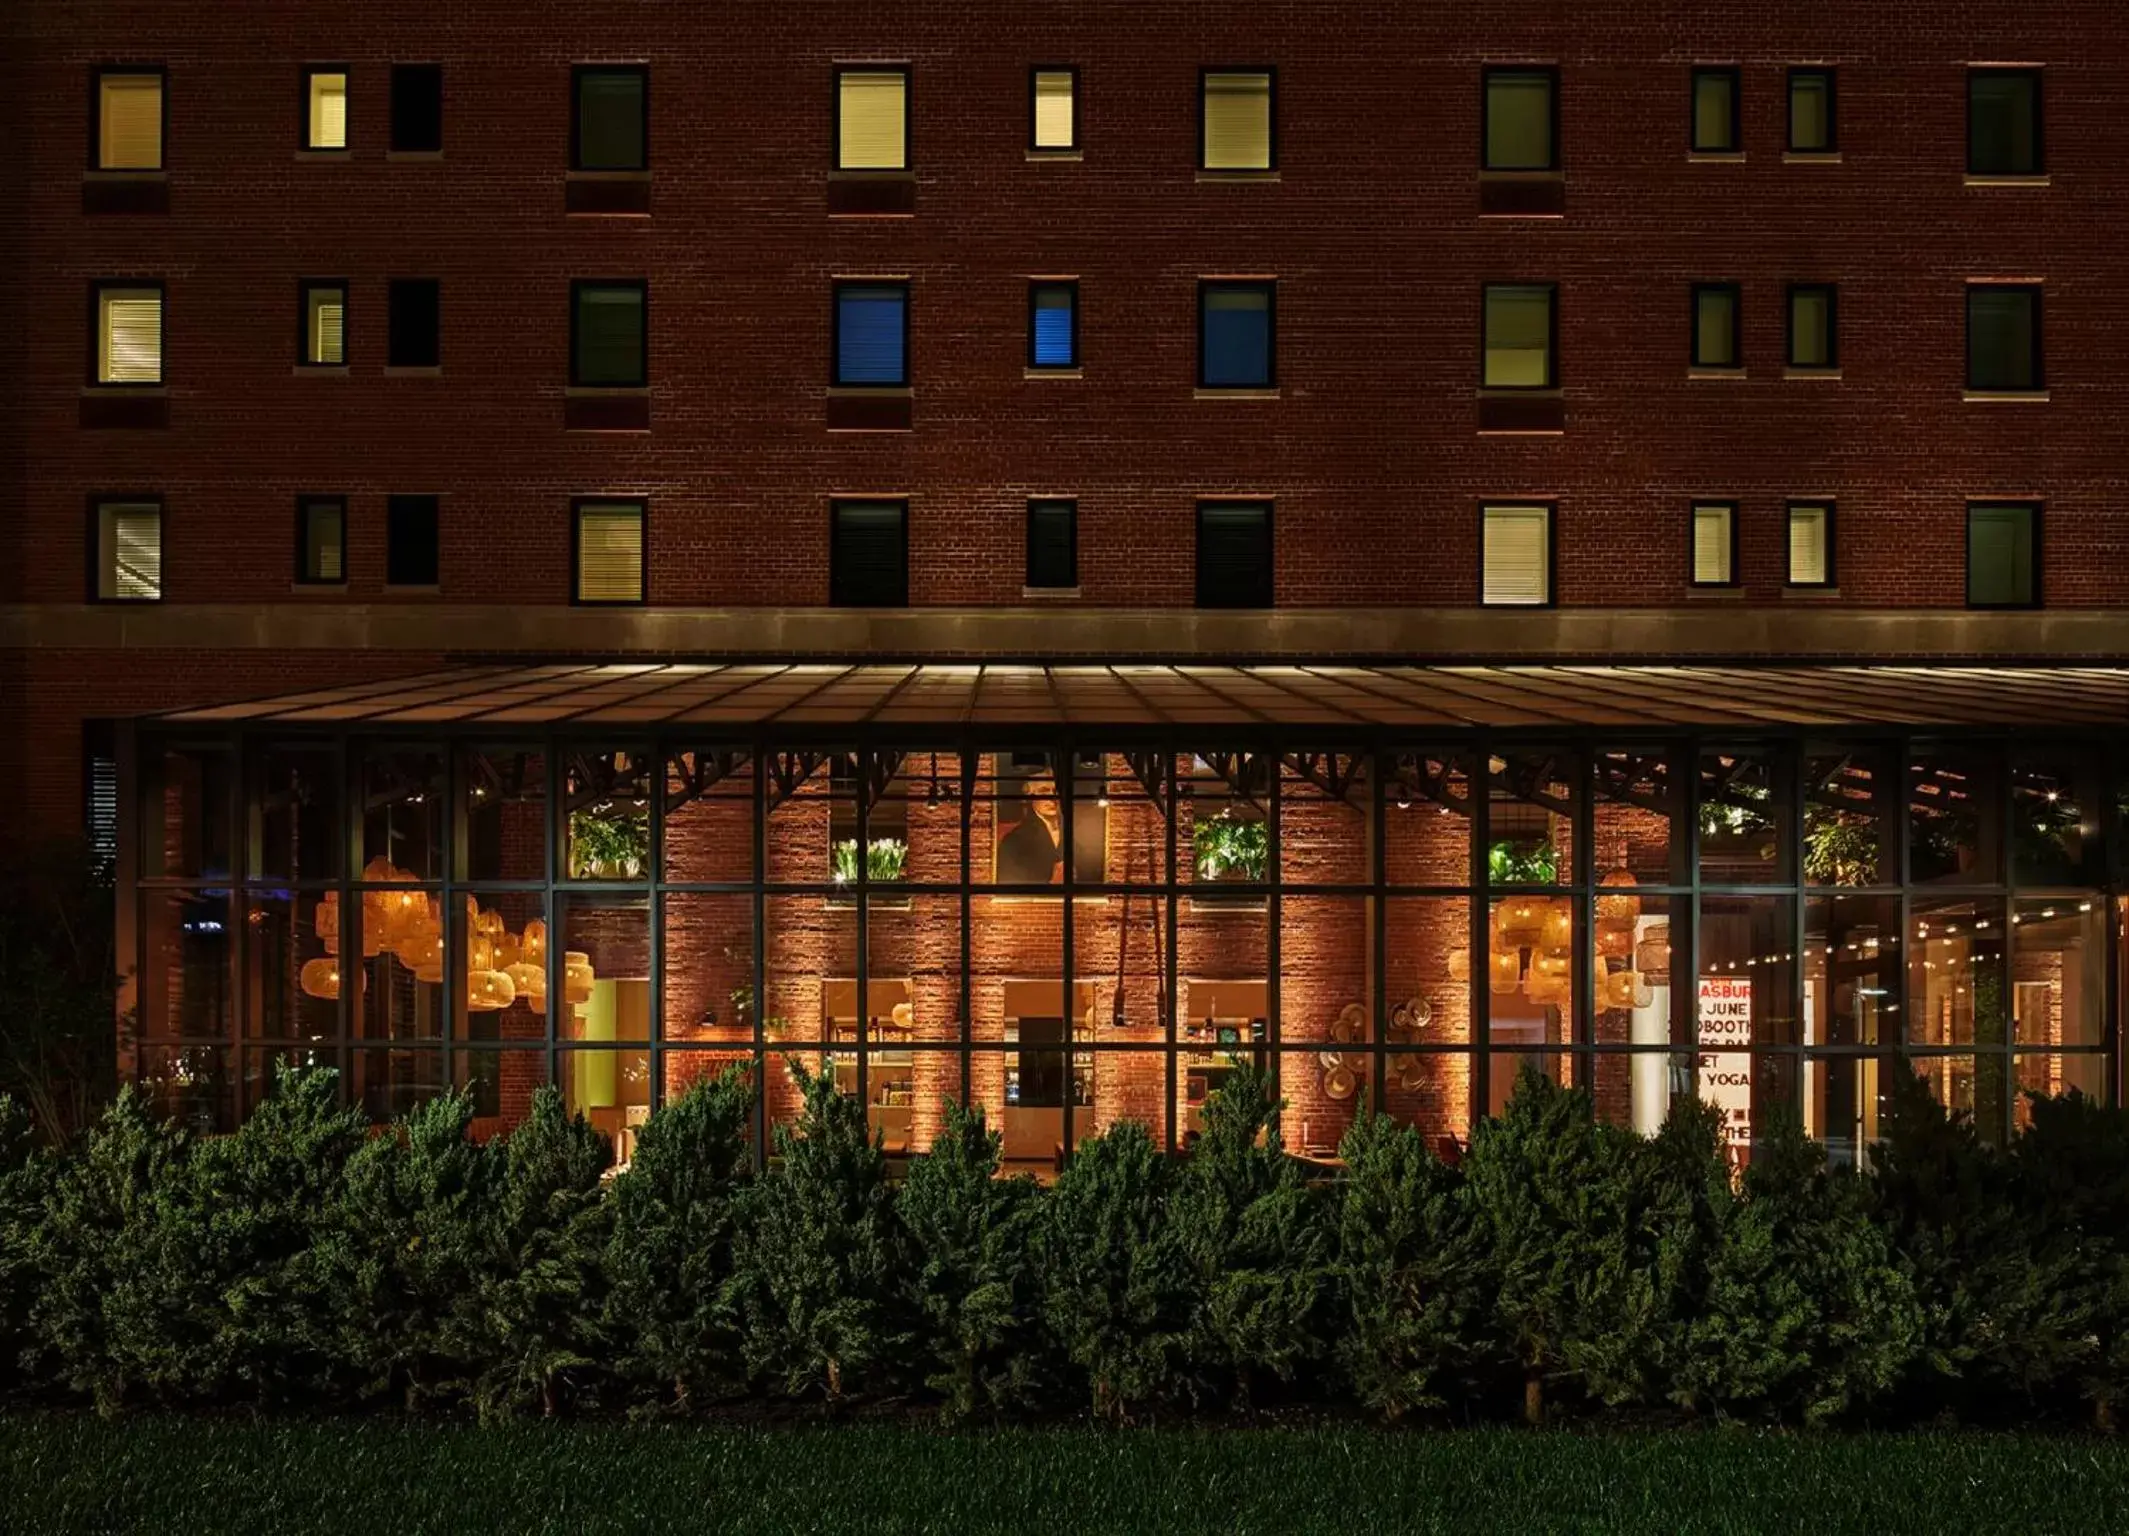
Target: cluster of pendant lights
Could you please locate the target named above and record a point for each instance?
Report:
(1532, 950)
(502, 968)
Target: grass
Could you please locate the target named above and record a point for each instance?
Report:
(75, 1473)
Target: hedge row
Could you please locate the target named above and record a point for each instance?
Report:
(1565, 1267)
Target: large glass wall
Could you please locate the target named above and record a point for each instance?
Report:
(1070, 932)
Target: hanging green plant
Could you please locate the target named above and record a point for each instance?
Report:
(1229, 848)
(885, 859)
(1840, 847)
(608, 840)
(1538, 864)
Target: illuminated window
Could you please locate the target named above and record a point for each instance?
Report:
(129, 120)
(1053, 325)
(324, 343)
(1813, 123)
(1517, 556)
(1522, 123)
(1520, 326)
(1234, 554)
(868, 554)
(1810, 544)
(609, 126)
(2002, 554)
(1715, 335)
(129, 334)
(321, 540)
(609, 551)
(2003, 353)
(129, 551)
(2003, 123)
(1237, 335)
(608, 334)
(1055, 107)
(417, 126)
(1814, 326)
(1717, 124)
(1053, 544)
(325, 107)
(1235, 120)
(1714, 544)
(872, 118)
(871, 335)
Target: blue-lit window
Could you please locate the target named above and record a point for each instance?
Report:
(1235, 336)
(872, 334)
(1053, 325)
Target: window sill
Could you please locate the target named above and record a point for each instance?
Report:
(1053, 373)
(432, 371)
(320, 370)
(318, 588)
(871, 410)
(1812, 373)
(125, 192)
(1811, 157)
(2042, 180)
(623, 408)
(432, 590)
(2006, 397)
(1730, 593)
(1066, 156)
(1203, 393)
(1715, 157)
(414, 156)
(611, 194)
(325, 155)
(1522, 194)
(1051, 594)
(124, 406)
(1794, 593)
(1236, 177)
(1715, 373)
(872, 194)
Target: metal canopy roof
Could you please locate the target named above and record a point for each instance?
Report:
(755, 694)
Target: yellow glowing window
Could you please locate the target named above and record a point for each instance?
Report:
(129, 122)
(872, 120)
(1056, 109)
(129, 555)
(1714, 539)
(129, 336)
(327, 122)
(610, 552)
(1237, 125)
(1518, 556)
(1519, 329)
(1810, 545)
(1521, 133)
(325, 324)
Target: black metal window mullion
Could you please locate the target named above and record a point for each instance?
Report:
(862, 759)
(656, 907)
(1067, 769)
(1273, 908)
(759, 960)
(969, 764)
(1478, 780)
(1582, 839)
(1171, 985)
(1383, 764)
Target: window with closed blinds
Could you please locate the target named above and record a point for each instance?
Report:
(868, 554)
(321, 540)
(1521, 131)
(1812, 126)
(1517, 556)
(2003, 339)
(129, 335)
(1053, 325)
(1814, 338)
(1056, 109)
(1237, 346)
(129, 121)
(129, 551)
(2003, 135)
(325, 108)
(410, 541)
(324, 324)
(610, 128)
(872, 119)
(610, 551)
(607, 334)
(1714, 544)
(1810, 544)
(871, 335)
(1715, 307)
(1053, 544)
(1234, 554)
(1235, 121)
(1716, 125)
(2002, 555)
(1518, 341)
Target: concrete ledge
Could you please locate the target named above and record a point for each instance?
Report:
(1730, 633)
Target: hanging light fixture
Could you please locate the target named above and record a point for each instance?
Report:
(1616, 906)
(1559, 930)
(1520, 920)
(1506, 970)
(320, 978)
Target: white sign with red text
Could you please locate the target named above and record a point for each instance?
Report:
(1725, 1053)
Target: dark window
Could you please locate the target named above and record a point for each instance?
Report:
(872, 334)
(2003, 352)
(1237, 346)
(2002, 554)
(1811, 544)
(609, 553)
(410, 541)
(2003, 125)
(1234, 554)
(1718, 127)
(868, 554)
(323, 321)
(1813, 119)
(321, 540)
(609, 125)
(1715, 325)
(1522, 122)
(1053, 543)
(126, 133)
(1814, 326)
(1521, 325)
(414, 323)
(1713, 558)
(417, 109)
(1053, 325)
(607, 333)
(1053, 108)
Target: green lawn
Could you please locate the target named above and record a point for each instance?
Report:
(383, 1477)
